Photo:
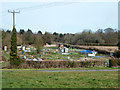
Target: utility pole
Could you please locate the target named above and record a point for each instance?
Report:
(13, 16)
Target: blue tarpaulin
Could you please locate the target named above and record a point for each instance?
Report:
(100, 56)
(86, 51)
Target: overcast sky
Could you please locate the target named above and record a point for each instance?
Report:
(63, 17)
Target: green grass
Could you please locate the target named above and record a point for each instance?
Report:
(52, 54)
(37, 79)
(7, 56)
(89, 68)
(4, 64)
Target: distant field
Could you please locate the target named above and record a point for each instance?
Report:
(37, 79)
(107, 48)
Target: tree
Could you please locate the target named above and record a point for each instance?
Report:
(19, 39)
(38, 43)
(111, 36)
(7, 40)
(29, 37)
(109, 30)
(13, 53)
(40, 32)
(118, 45)
(30, 31)
(21, 31)
(55, 33)
(8, 31)
(48, 38)
(68, 38)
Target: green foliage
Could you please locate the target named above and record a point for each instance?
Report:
(38, 43)
(101, 37)
(18, 62)
(13, 54)
(71, 64)
(22, 31)
(61, 64)
(8, 31)
(114, 62)
(117, 54)
(48, 38)
(39, 32)
(29, 37)
(119, 45)
(6, 55)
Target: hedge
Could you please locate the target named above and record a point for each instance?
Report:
(114, 62)
(117, 54)
(62, 64)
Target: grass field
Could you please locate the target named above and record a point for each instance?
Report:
(107, 48)
(37, 79)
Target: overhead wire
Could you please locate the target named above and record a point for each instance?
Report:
(45, 5)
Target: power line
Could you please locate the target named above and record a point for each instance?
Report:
(46, 5)
(13, 12)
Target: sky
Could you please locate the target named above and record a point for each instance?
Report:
(60, 17)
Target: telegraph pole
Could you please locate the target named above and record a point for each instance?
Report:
(13, 12)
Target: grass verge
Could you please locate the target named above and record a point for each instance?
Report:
(90, 68)
(36, 79)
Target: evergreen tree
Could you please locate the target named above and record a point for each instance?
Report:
(13, 53)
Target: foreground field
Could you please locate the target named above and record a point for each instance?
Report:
(37, 79)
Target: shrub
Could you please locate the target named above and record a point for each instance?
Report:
(117, 54)
(118, 45)
(114, 62)
(3, 58)
(71, 63)
(17, 63)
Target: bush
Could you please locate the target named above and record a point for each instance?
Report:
(114, 62)
(118, 45)
(117, 54)
(3, 58)
(71, 64)
(18, 62)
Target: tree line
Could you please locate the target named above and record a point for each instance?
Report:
(106, 36)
